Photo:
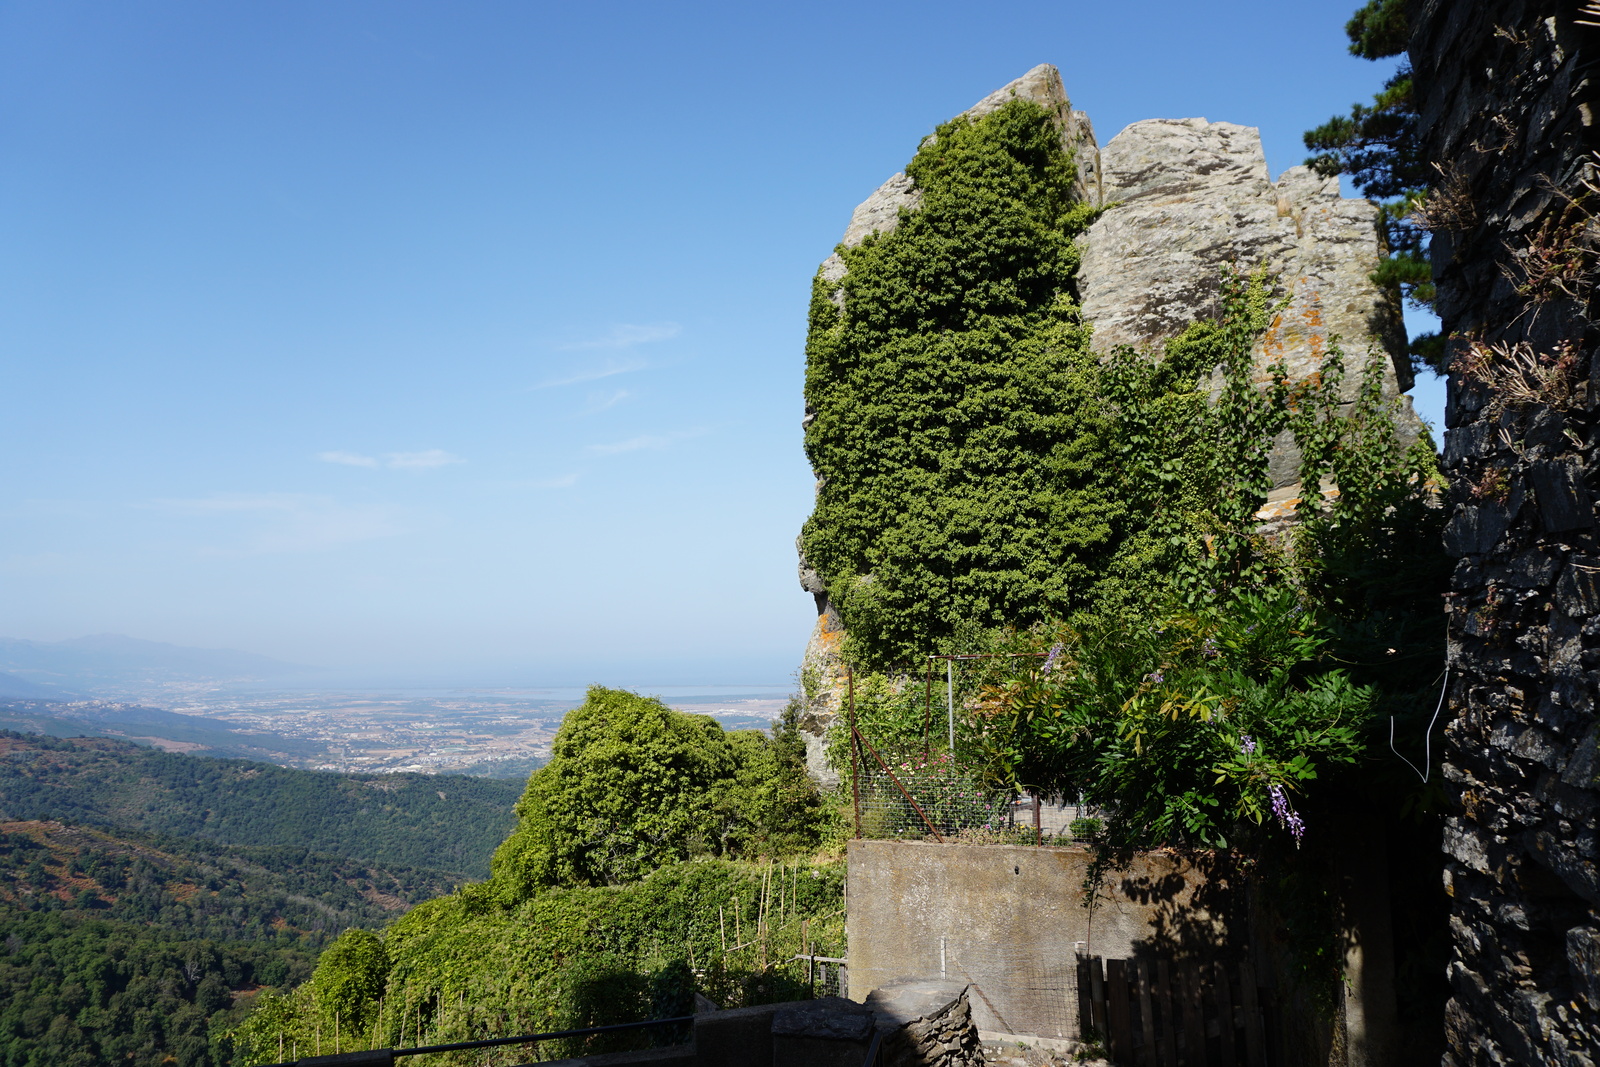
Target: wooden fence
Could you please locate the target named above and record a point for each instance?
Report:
(1156, 1013)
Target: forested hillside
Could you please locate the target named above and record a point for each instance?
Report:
(82, 992)
(281, 894)
(148, 898)
(122, 946)
(450, 823)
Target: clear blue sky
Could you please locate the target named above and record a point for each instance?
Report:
(465, 338)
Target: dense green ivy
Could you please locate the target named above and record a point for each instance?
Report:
(956, 433)
(469, 966)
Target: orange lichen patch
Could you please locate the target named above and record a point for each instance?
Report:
(828, 637)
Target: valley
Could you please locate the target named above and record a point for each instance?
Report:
(490, 732)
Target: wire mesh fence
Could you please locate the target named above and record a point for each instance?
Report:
(926, 797)
(903, 786)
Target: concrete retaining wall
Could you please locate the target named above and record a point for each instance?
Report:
(1011, 921)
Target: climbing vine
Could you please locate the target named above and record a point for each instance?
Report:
(956, 432)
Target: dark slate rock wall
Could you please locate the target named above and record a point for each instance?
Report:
(1507, 95)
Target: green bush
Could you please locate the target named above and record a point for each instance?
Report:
(466, 966)
(633, 785)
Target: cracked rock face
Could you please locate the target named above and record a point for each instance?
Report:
(1192, 198)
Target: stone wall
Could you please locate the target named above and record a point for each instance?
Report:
(1507, 104)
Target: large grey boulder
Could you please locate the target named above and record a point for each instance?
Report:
(1190, 199)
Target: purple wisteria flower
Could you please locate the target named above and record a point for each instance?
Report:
(1050, 660)
(1209, 649)
(1155, 676)
(1247, 745)
(1286, 815)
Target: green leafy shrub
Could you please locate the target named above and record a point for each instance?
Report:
(621, 880)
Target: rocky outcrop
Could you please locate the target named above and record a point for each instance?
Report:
(926, 1023)
(822, 672)
(1506, 95)
(880, 212)
(1191, 199)
(1187, 198)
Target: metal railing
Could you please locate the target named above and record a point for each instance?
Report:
(385, 1057)
(874, 1050)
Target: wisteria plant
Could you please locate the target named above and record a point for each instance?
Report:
(1196, 730)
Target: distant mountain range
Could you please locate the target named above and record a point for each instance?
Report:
(44, 670)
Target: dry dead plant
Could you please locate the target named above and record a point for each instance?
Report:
(1448, 206)
(1519, 377)
(1556, 262)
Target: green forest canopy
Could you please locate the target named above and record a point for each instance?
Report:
(442, 822)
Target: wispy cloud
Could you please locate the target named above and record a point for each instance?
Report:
(349, 459)
(563, 482)
(601, 401)
(625, 335)
(432, 459)
(644, 442)
(285, 522)
(610, 368)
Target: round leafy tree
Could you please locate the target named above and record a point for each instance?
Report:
(631, 785)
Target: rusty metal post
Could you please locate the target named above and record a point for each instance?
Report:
(855, 749)
(1038, 835)
(927, 708)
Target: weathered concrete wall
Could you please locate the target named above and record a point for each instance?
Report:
(1507, 101)
(1011, 921)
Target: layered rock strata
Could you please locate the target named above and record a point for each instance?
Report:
(1187, 199)
(1507, 100)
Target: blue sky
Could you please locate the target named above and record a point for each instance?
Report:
(465, 339)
